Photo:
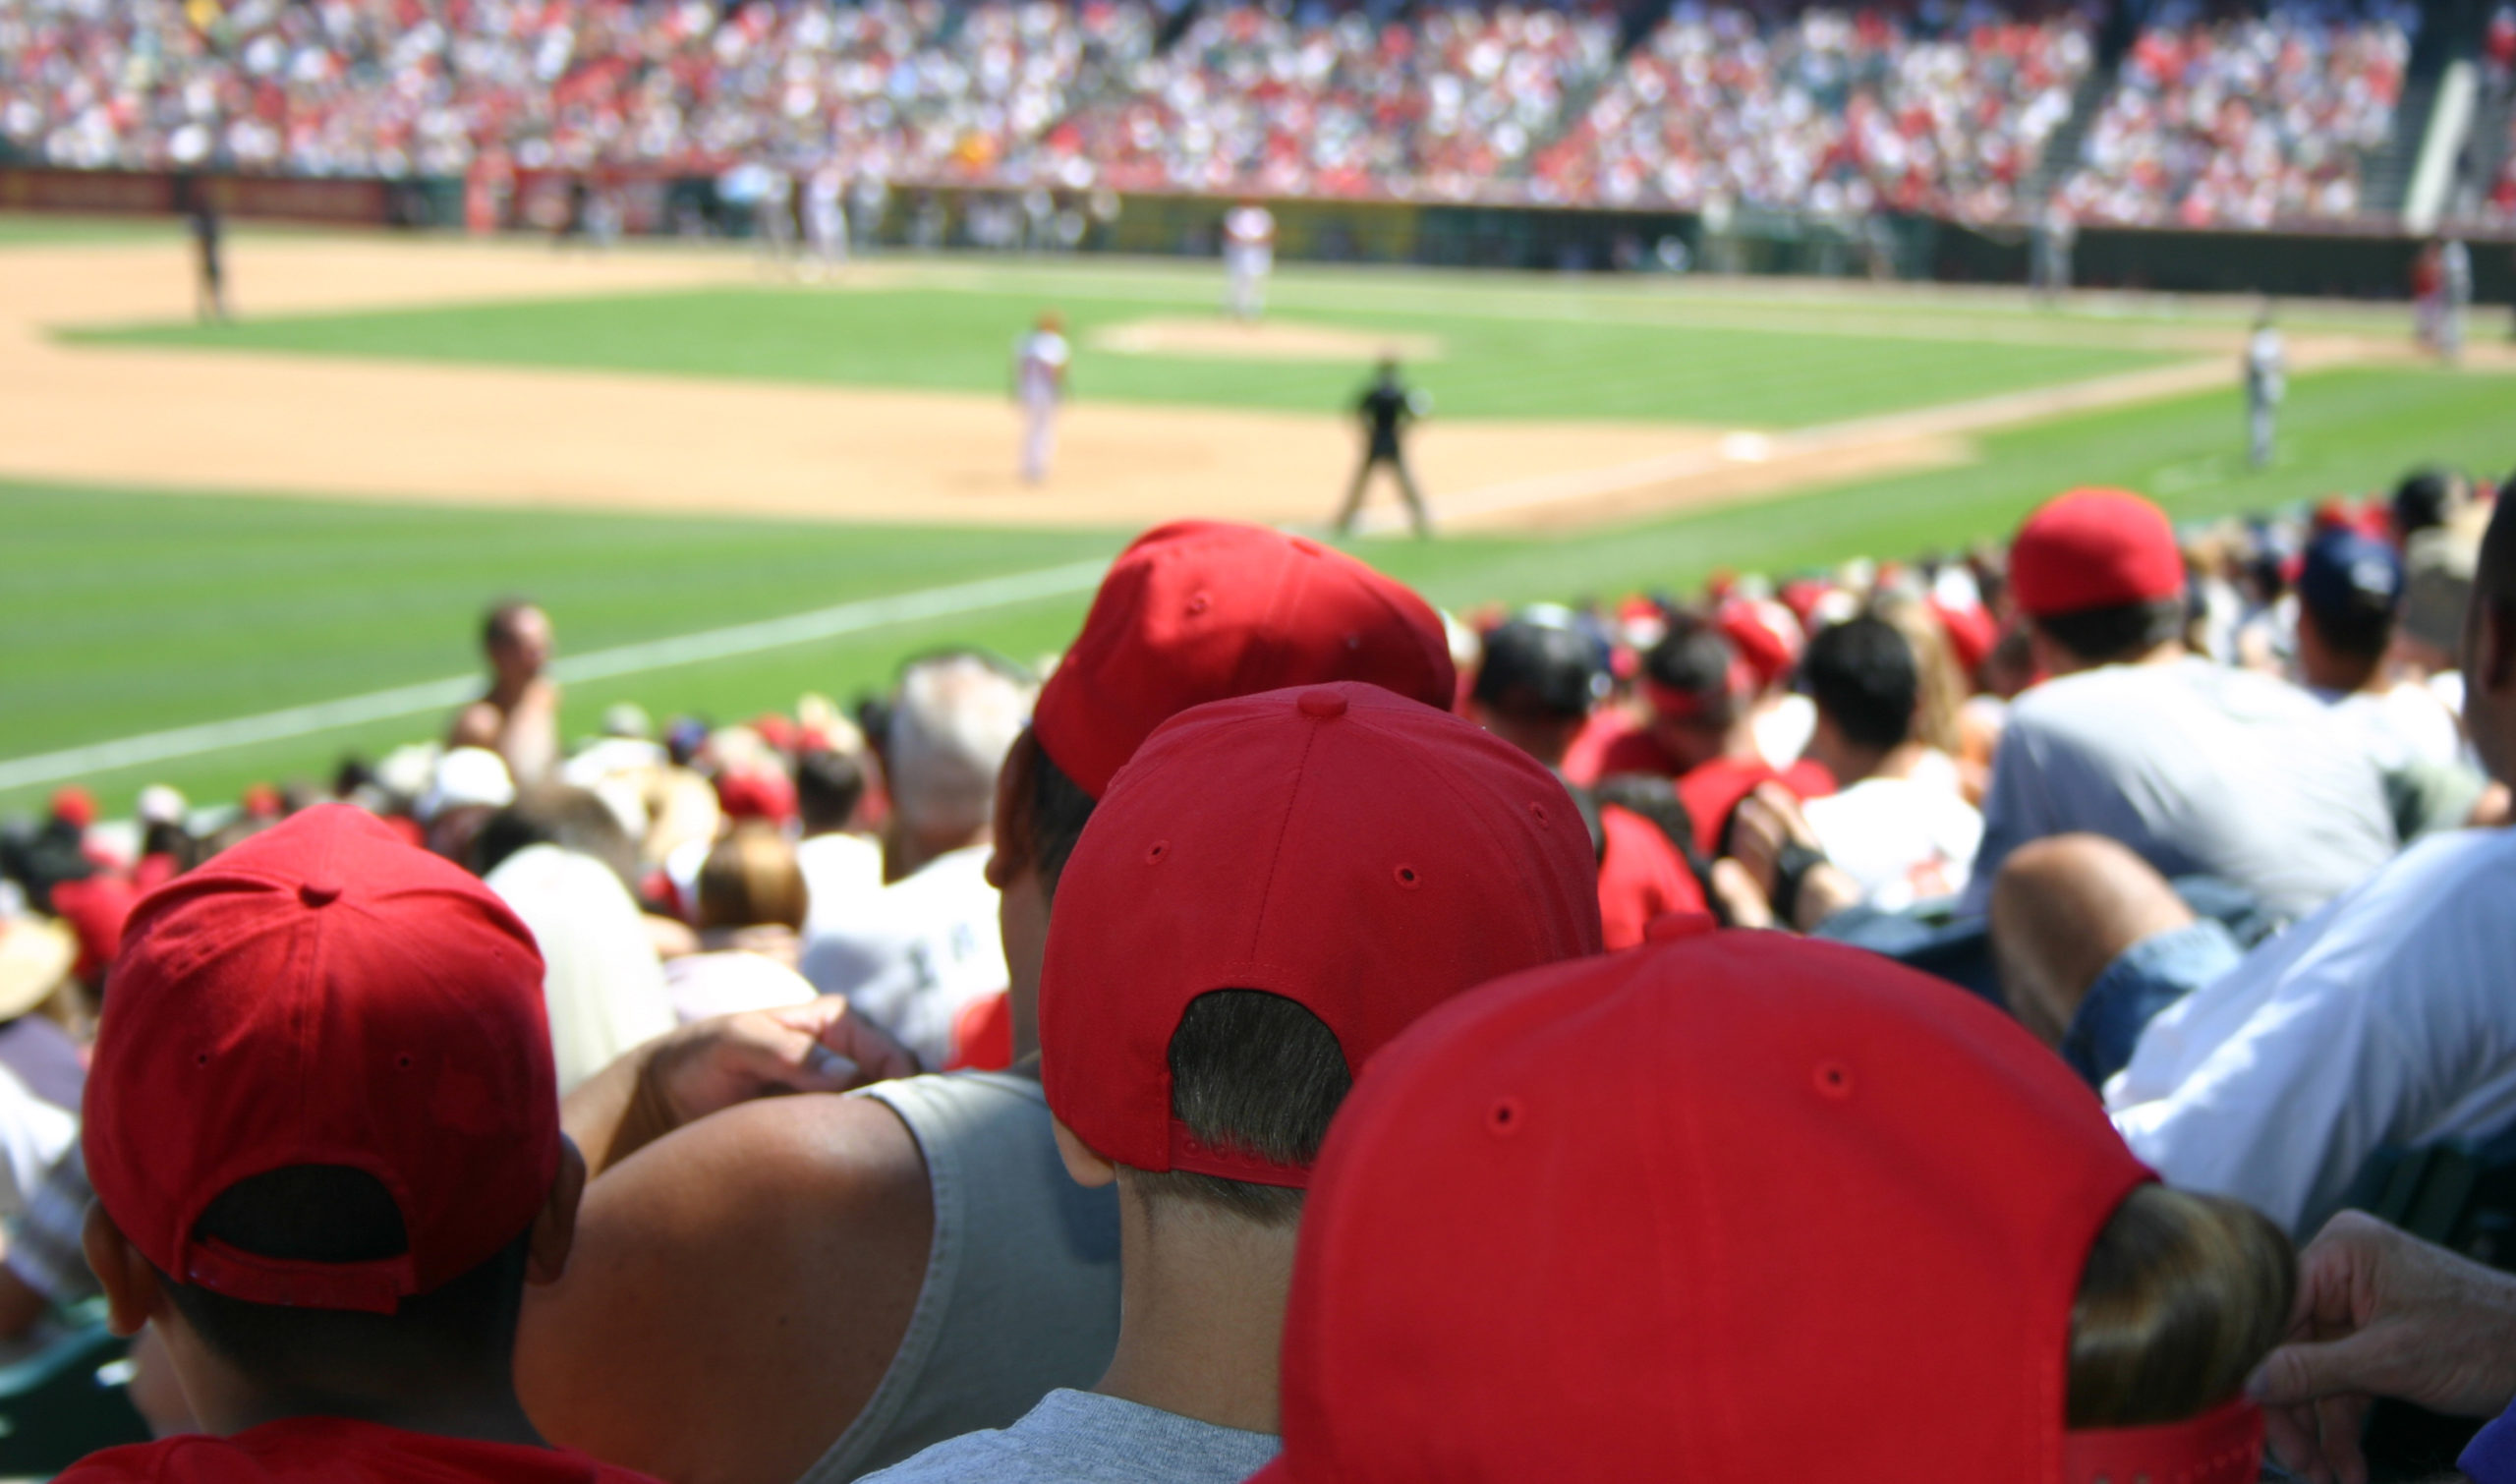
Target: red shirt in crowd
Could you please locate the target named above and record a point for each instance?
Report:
(338, 1450)
(1640, 877)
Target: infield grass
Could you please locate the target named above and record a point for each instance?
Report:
(1570, 350)
(129, 611)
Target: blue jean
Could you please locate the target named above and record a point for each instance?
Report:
(2147, 978)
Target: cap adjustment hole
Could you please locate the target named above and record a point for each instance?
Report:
(1159, 851)
(1538, 813)
(1505, 1117)
(1198, 603)
(1834, 1080)
(1409, 877)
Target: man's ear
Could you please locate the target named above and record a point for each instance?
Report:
(554, 1228)
(1087, 1169)
(132, 1293)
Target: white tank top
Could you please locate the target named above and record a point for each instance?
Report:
(1021, 1292)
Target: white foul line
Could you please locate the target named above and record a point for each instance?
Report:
(598, 665)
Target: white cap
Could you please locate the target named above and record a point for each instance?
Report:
(160, 804)
(467, 777)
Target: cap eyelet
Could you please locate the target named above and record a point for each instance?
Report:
(1198, 603)
(1537, 812)
(1833, 1080)
(1504, 1118)
(1409, 877)
(1161, 851)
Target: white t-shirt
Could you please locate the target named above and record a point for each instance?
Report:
(1903, 840)
(838, 869)
(599, 976)
(1041, 356)
(2386, 1018)
(2198, 769)
(1783, 729)
(704, 985)
(2404, 725)
(913, 955)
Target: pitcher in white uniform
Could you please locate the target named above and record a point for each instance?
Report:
(1248, 256)
(1039, 386)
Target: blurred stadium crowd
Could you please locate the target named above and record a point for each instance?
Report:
(2212, 118)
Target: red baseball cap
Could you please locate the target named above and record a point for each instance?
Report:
(1765, 635)
(1728, 1207)
(1361, 854)
(2093, 548)
(73, 806)
(1199, 610)
(323, 993)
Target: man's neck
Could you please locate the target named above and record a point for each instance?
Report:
(1849, 764)
(485, 1411)
(906, 852)
(1201, 1313)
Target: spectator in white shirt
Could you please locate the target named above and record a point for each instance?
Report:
(2385, 1020)
(1898, 824)
(838, 865)
(911, 956)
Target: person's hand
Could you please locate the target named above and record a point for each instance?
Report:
(1770, 826)
(1742, 902)
(713, 1064)
(2382, 1313)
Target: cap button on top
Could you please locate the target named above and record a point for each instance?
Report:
(319, 893)
(1322, 704)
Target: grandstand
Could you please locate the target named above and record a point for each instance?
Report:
(2299, 113)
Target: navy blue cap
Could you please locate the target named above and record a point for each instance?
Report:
(2351, 575)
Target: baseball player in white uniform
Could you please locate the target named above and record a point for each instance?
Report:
(825, 215)
(1248, 256)
(1039, 386)
(2266, 383)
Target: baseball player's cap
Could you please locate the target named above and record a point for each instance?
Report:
(1199, 610)
(2350, 577)
(1538, 660)
(324, 994)
(2092, 550)
(1363, 855)
(1731, 1206)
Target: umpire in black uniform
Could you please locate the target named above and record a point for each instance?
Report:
(1386, 410)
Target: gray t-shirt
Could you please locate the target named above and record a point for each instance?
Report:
(2197, 767)
(1082, 1438)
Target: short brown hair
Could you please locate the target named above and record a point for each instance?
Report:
(2183, 1295)
(749, 880)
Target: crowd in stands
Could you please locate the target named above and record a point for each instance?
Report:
(2087, 912)
(1249, 100)
(2498, 84)
(1941, 108)
(2246, 121)
(1835, 111)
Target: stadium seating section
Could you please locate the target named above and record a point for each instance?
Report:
(2233, 118)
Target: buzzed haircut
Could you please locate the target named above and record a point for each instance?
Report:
(829, 785)
(498, 626)
(335, 1214)
(1694, 660)
(1862, 675)
(1257, 1073)
(1537, 670)
(2101, 636)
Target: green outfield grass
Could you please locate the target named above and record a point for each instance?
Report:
(1567, 351)
(32, 229)
(132, 611)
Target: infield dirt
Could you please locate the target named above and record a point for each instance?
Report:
(237, 420)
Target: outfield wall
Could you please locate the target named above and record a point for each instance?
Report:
(2369, 262)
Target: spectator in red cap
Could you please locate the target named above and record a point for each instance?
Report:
(1536, 686)
(931, 1221)
(1272, 890)
(518, 718)
(1742, 1207)
(2198, 769)
(1702, 731)
(326, 1145)
(2272, 1076)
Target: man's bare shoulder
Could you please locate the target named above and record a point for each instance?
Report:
(738, 1290)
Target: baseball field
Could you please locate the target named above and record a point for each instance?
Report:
(234, 553)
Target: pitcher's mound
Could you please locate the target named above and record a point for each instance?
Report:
(1263, 340)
